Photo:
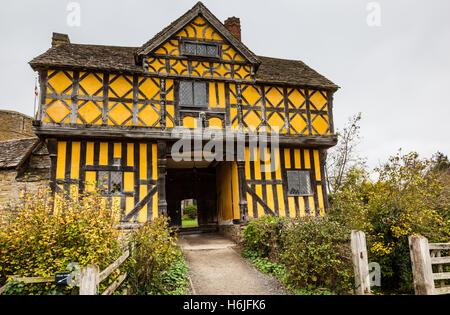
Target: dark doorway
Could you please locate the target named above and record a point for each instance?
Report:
(192, 183)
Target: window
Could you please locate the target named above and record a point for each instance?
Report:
(109, 182)
(200, 49)
(193, 94)
(299, 183)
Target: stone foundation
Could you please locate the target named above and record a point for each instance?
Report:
(233, 232)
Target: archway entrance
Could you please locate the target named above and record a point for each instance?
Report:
(192, 180)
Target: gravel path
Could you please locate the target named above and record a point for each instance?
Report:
(216, 268)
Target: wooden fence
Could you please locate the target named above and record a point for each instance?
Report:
(90, 277)
(424, 256)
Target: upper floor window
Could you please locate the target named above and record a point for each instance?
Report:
(193, 94)
(201, 49)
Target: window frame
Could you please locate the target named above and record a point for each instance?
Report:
(309, 179)
(196, 43)
(203, 106)
(108, 190)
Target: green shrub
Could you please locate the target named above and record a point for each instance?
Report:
(156, 263)
(263, 235)
(317, 254)
(190, 212)
(38, 240)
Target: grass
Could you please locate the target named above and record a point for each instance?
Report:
(189, 223)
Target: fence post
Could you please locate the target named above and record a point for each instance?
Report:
(89, 280)
(421, 265)
(360, 262)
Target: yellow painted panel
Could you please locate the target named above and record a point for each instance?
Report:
(312, 208)
(274, 97)
(75, 167)
(276, 122)
(155, 160)
(296, 99)
(90, 113)
(221, 88)
(129, 204)
(89, 153)
(148, 89)
(247, 163)
(317, 164)
(90, 180)
(318, 101)
(291, 202)
(130, 154)
(215, 123)
(251, 94)
(212, 95)
(103, 155)
(148, 115)
(301, 202)
(118, 114)
(142, 217)
(58, 111)
(267, 162)
(321, 204)
(121, 87)
(269, 193)
(235, 184)
(169, 90)
(59, 82)
(251, 119)
(307, 160)
(143, 160)
(287, 158)
(155, 206)
(90, 85)
(298, 123)
(233, 115)
(281, 209)
(297, 160)
(170, 111)
(117, 150)
(321, 125)
(190, 122)
(61, 160)
(258, 190)
(277, 164)
(128, 178)
(257, 164)
(250, 205)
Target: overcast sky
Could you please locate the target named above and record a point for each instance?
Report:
(397, 74)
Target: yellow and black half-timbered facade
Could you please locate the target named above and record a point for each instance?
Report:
(108, 115)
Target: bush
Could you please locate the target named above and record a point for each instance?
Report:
(263, 236)
(157, 266)
(36, 241)
(190, 212)
(317, 254)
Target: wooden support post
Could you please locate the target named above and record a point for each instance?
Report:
(89, 280)
(421, 265)
(162, 163)
(360, 262)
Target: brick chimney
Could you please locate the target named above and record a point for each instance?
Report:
(233, 24)
(58, 39)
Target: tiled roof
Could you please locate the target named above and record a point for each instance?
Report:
(122, 60)
(12, 152)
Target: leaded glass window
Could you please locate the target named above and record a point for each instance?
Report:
(201, 49)
(193, 94)
(109, 182)
(299, 183)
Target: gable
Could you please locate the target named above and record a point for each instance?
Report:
(196, 24)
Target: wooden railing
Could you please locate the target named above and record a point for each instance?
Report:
(90, 277)
(424, 256)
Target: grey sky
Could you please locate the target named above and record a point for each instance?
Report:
(397, 75)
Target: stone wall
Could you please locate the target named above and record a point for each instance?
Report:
(232, 231)
(10, 188)
(14, 125)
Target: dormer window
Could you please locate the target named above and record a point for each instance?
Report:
(201, 49)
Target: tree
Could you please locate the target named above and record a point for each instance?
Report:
(343, 156)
